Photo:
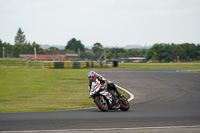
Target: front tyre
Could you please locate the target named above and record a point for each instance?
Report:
(124, 104)
(101, 103)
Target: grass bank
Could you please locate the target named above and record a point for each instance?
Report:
(27, 90)
(159, 65)
(194, 70)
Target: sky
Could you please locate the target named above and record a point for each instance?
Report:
(114, 23)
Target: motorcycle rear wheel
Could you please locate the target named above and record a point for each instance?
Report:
(101, 103)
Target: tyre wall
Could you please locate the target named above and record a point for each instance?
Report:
(73, 64)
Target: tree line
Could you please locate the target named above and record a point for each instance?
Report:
(174, 52)
(157, 53)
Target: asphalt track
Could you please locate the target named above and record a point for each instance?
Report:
(163, 98)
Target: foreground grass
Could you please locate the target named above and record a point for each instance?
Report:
(25, 90)
(43, 89)
(160, 65)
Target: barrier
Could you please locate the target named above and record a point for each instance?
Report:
(94, 64)
(73, 64)
(48, 64)
(52, 64)
(58, 64)
(115, 63)
(68, 64)
(82, 64)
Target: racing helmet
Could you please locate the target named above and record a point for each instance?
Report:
(92, 75)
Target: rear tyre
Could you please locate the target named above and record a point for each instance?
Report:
(124, 104)
(101, 103)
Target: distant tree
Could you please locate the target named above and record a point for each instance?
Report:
(198, 51)
(172, 52)
(97, 50)
(191, 51)
(23, 47)
(113, 53)
(160, 52)
(38, 48)
(74, 44)
(178, 52)
(20, 37)
(70, 51)
(7, 49)
(97, 47)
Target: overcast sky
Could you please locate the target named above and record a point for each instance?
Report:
(109, 22)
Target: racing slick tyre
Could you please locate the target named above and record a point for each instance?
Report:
(101, 103)
(124, 104)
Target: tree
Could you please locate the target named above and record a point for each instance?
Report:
(170, 52)
(37, 46)
(191, 51)
(23, 47)
(7, 49)
(20, 37)
(160, 52)
(97, 50)
(75, 45)
(198, 52)
(97, 47)
(178, 52)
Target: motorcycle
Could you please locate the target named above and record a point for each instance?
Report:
(106, 99)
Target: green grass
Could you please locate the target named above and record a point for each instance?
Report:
(27, 90)
(159, 65)
(194, 70)
(43, 89)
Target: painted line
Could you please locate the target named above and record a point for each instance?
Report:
(130, 94)
(103, 129)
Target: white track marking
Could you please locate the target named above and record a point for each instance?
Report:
(103, 129)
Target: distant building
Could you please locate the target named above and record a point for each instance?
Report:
(132, 60)
(72, 57)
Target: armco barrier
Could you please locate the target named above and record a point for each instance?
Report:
(73, 64)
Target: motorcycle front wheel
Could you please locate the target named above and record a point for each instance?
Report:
(101, 103)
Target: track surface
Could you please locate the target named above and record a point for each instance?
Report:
(163, 97)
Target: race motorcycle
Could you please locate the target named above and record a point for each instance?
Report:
(106, 99)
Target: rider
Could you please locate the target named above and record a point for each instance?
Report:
(94, 79)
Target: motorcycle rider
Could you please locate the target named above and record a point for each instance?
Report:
(94, 80)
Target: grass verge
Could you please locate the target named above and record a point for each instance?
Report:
(24, 90)
(194, 70)
(28, 90)
(160, 65)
